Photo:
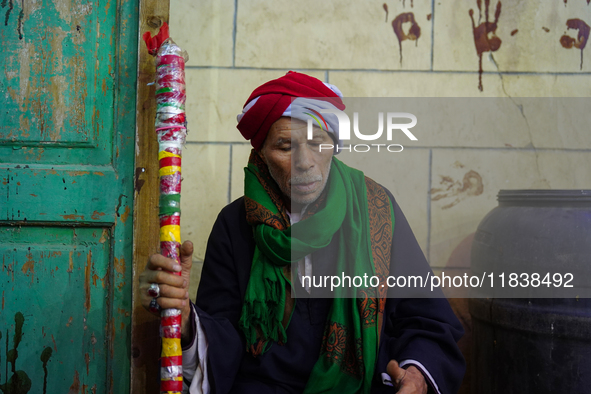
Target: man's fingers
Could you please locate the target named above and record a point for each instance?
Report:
(166, 278)
(173, 288)
(410, 381)
(167, 291)
(187, 253)
(157, 261)
(168, 303)
(395, 372)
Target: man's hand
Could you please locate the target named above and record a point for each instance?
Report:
(173, 288)
(407, 381)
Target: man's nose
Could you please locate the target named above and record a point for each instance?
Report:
(303, 159)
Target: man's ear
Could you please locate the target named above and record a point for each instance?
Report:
(260, 150)
(261, 155)
(333, 137)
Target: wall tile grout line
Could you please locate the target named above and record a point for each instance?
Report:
(432, 31)
(429, 206)
(234, 33)
(501, 149)
(217, 142)
(572, 150)
(230, 177)
(371, 70)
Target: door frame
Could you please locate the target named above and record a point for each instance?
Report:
(145, 337)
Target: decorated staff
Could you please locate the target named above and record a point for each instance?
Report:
(171, 131)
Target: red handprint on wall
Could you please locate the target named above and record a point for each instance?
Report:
(582, 37)
(414, 32)
(485, 38)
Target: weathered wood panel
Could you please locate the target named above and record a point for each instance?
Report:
(145, 335)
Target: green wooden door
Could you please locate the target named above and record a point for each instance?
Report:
(67, 131)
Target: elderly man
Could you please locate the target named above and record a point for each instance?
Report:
(256, 329)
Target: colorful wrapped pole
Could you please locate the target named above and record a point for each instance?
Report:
(171, 129)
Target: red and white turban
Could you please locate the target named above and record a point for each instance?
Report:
(275, 99)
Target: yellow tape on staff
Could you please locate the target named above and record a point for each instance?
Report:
(162, 154)
(171, 347)
(169, 170)
(170, 233)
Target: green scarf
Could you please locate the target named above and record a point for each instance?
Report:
(351, 337)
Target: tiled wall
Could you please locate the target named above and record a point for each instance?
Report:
(235, 45)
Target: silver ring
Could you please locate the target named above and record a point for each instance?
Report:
(154, 290)
(154, 307)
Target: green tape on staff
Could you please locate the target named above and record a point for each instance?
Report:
(169, 204)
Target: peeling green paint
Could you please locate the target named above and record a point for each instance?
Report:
(67, 140)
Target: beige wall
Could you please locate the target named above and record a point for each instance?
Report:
(235, 46)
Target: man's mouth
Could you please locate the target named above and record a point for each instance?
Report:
(304, 188)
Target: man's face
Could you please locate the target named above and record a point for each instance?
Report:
(296, 163)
